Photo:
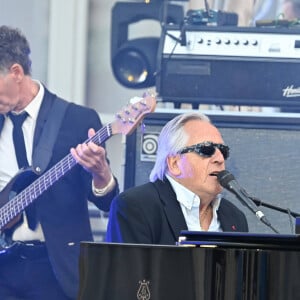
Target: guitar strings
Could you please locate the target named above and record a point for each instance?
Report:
(14, 206)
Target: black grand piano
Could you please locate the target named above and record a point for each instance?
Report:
(203, 266)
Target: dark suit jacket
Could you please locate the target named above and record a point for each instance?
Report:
(62, 209)
(150, 214)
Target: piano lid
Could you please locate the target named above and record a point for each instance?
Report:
(153, 272)
(239, 240)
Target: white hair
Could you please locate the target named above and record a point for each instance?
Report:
(172, 138)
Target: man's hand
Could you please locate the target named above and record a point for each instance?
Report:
(93, 159)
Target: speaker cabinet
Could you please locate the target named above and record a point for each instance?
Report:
(264, 158)
(226, 81)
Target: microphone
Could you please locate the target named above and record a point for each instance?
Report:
(227, 180)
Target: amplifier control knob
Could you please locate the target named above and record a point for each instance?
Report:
(218, 41)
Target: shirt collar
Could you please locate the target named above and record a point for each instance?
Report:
(187, 198)
(34, 106)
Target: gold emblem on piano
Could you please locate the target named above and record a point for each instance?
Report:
(143, 292)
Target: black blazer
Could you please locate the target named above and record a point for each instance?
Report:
(150, 214)
(62, 209)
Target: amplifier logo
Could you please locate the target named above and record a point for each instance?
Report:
(290, 92)
(149, 146)
(143, 292)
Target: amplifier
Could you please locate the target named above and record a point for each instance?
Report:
(230, 65)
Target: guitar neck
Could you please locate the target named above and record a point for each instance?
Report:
(125, 122)
(17, 204)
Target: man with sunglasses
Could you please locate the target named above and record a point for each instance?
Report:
(183, 192)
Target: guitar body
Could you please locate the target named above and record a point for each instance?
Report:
(17, 184)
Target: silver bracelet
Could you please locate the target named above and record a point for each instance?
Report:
(106, 189)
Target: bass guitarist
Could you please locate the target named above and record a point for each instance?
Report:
(40, 247)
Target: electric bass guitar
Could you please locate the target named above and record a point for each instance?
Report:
(26, 186)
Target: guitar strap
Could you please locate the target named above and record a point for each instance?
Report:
(43, 151)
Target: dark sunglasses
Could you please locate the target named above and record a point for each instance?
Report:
(206, 149)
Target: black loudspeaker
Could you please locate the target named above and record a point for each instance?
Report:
(264, 158)
(227, 81)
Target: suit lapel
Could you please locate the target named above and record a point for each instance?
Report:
(226, 222)
(42, 116)
(172, 207)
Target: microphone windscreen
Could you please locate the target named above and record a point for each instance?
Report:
(224, 178)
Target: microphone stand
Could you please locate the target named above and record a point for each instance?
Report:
(287, 211)
(254, 209)
(258, 202)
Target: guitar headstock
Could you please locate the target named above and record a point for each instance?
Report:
(131, 115)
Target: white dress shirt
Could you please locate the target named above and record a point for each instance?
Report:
(190, 204)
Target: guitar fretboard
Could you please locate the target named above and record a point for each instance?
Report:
(18, 203)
